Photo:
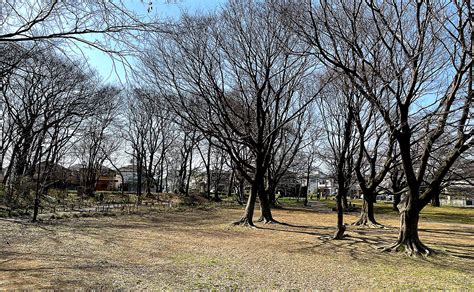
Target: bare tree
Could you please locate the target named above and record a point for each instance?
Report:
(98, 140)
(411, 61)
(337, 113)
(44, 100)
(235, 82)
(374, 157)
(286, 151)
(107, 26)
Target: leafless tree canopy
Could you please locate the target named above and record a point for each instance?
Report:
(377, 93)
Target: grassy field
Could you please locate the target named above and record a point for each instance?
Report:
(439, 214)
(198, 248)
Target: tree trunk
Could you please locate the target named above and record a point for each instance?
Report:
(265, 208)
(305, 203)
(148, 185)
(367, 217)
(36, 206)
(308, 173)
(231, 184)
(241, 197)
(272, 198)
(208, 171)
(216, 196)
(344, 202)
(139, 182)
(341, 228)
(247, 218)
(435, 201)
(188, 180)
(396, 201)
(408, 239)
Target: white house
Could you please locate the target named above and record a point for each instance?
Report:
(320, 182)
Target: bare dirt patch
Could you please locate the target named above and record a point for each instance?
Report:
(199, 249)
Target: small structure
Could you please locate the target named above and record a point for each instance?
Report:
(130, 179)
(457, 201)
(107, 180)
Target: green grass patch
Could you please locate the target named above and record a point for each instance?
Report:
(291, 201)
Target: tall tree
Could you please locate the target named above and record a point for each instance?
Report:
(98, 139)
(337, 113)
(234, 71)
(411, 61)
(45, 98)
(374, 157)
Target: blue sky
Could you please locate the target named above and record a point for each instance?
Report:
(164, 9)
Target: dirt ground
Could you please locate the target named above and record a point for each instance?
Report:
(199, 249)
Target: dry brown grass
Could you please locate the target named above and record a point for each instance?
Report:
(199, 249)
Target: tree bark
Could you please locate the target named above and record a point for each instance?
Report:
(305, 203)
(435, 201)
(231, 183)
(208, 171)
(341, 228)
(139, 181)
(367, 217)
(345, 206)
(188, 179)
(36, 206)
(247, 218)
(241, 195)
(272, 198)
(408, 239)
(216, 196)
(396, 201)
(265, 207)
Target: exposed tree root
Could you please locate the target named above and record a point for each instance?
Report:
(267, 221)
(364, 221)
(244, 222)
(272, 221)
(340, 233)
(412, 247)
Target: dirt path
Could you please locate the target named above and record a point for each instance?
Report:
(199, 249)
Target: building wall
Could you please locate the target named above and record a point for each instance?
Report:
(106, 183)
(323, 185)
(457, 202)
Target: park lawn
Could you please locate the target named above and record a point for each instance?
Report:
(286, 201)
(198, 249)
(438, 214)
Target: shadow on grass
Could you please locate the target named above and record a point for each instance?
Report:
(364, 244)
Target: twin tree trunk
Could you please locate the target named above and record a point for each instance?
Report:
(258, 189)
(247, 218)
(367, 217)
(265, 207)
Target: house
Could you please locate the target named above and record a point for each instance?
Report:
(107, 180)
(457, 201)
(322, 183)
(459, 193)
(219, 181)
(130, 179)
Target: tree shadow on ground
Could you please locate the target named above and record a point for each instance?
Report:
(267, 227)
(365, 244)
